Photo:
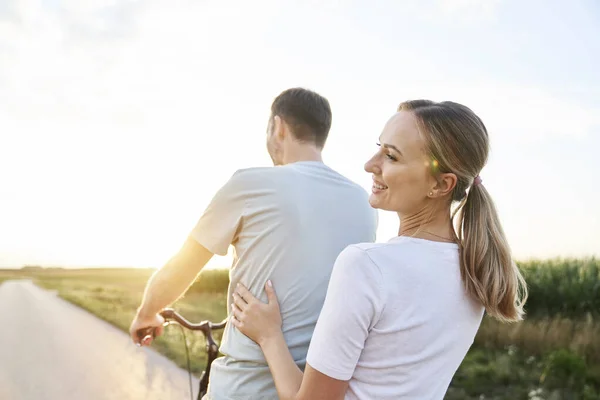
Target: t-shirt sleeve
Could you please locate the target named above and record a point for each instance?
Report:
(352, 307)
(219, 225)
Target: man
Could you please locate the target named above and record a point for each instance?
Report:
(287, 223)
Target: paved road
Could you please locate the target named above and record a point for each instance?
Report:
(50, 349)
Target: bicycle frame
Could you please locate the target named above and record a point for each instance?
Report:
(212, 349)
(206, 327)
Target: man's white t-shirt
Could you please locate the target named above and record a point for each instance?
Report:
(288, 224)
(397, 321)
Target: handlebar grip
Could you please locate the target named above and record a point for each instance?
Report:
(144, 333)
(167, 313)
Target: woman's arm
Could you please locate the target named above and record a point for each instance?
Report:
(286, 374)
(262, 323)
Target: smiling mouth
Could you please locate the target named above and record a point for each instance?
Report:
(378, 187)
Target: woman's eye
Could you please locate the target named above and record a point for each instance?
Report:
(387, 155)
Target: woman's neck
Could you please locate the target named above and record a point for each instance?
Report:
(426, 224)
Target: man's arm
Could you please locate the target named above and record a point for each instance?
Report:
(167, 285)
(216, 230)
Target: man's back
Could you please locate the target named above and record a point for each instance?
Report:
(287, 224)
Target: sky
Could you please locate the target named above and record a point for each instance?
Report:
(119, 119)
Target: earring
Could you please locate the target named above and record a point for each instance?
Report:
(430, 194)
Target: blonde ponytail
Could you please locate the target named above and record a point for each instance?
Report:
(487, 268)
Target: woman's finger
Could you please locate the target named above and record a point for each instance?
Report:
(236, 312)
(245, 293)
(271, 295)
(239, 301)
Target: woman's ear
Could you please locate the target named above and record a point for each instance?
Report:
(445, 184)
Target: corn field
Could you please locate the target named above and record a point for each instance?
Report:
(563, 288)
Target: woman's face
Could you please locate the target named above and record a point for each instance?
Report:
(400, 168)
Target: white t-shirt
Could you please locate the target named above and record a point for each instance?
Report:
(287, 224)
(397, 321)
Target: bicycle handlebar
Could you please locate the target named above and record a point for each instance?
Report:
(171, 315)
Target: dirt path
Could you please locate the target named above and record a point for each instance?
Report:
(51, 349)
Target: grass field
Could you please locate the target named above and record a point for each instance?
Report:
(548, 356)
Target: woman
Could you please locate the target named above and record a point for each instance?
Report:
(400, 316)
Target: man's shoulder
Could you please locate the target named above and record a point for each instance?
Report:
(256, 176)
(349, 182)
(252, 178)
(250, 172)
(265, 176)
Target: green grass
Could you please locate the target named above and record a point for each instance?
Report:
(538, 336)
(563, 287)
(7, 274)
(511, 374)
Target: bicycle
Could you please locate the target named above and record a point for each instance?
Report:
(206, 327)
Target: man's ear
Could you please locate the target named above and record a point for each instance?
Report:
(445, 184)
(278, 127)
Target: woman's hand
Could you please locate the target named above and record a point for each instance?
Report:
(255, 319)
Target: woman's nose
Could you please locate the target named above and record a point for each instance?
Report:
(372, 166)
